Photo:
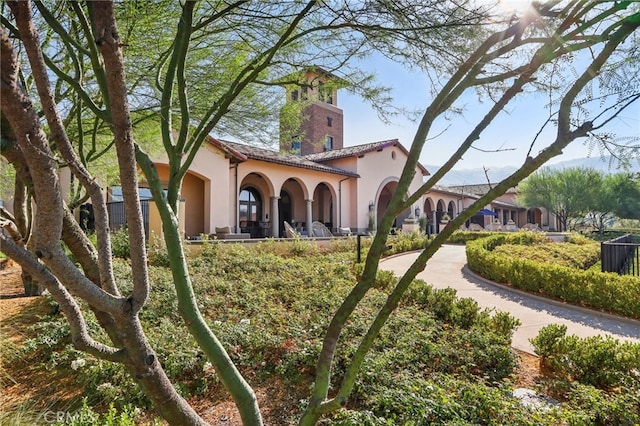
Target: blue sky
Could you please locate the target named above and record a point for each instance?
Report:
(514, 129)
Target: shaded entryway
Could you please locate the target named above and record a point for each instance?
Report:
(292, 207)
(384, 198)
(323, 206)
(253, 205)
(250, 205)
(534, 216)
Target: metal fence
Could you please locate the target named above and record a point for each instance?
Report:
(621, 255)
(117, 218)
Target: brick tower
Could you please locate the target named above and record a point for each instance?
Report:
(321, 128)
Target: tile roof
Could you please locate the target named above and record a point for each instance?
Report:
(463, 191)
(354, 151)
(480, 189)
(263, 154)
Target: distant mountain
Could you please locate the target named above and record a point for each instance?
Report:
(496, 174)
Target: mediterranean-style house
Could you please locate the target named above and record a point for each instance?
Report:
(315, 178)
(250, 191)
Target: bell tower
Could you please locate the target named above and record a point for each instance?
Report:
(321, 128)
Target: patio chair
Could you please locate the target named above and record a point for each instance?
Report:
(475, 227)
(319, 230)
(290, 231)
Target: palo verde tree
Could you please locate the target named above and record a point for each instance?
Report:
(251, 47)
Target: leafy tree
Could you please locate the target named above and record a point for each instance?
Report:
(577, 194)
(568, 193)
(623, 190)
(253, 47)
(617, 197)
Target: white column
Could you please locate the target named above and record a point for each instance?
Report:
(275, 217)
(309, 216)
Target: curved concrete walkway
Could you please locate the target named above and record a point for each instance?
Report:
(448, 268)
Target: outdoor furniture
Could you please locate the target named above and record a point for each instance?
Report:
(319, 230)
(290, 231)
(345, 231)
(224, 233)
(475, 227)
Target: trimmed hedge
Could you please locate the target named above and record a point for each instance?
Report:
(603, 291)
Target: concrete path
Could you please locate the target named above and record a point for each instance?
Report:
(448, 269)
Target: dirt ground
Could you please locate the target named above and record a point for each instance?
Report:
(23, 385)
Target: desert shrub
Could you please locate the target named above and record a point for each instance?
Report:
(602, 362)
(157, 253)
(462, 237)
(120, 243)
(86, 416)
(439, 358)
(589, 405)
(403, 242)
(443, 399)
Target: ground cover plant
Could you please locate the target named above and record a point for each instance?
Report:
(566, 271)
(578, 253)
(416, 372)
(597, 376)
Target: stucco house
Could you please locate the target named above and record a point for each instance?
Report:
(313, 177)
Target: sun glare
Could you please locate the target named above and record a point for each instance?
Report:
(508, 6)
(517, 6)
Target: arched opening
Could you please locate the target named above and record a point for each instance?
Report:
(383, 203)
(534, 216)
(440, 211)
(285, 207)
(429, 212)
(323, 206)
(292, 206)
(451, 209)
(250, 211)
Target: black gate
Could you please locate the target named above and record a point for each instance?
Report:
(621, 255)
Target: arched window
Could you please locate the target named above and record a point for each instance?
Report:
(250, 205)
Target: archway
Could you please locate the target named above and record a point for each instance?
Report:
(534, 215)
(440, 211)
(384, 198)
(250, 206)
(323, 206)
(429, 211)
(292, 206)
(451, 209)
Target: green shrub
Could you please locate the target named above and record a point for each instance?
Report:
(120, 243)
(602, 362)
(126, 416)
(603, 291)
(157, 253)
(439, 359)
(462, 237)
(589, 405)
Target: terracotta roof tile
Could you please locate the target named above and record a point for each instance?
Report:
(263, 154)
(354, 151)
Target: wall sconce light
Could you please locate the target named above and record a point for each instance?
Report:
(417, 212)
(371, 206)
